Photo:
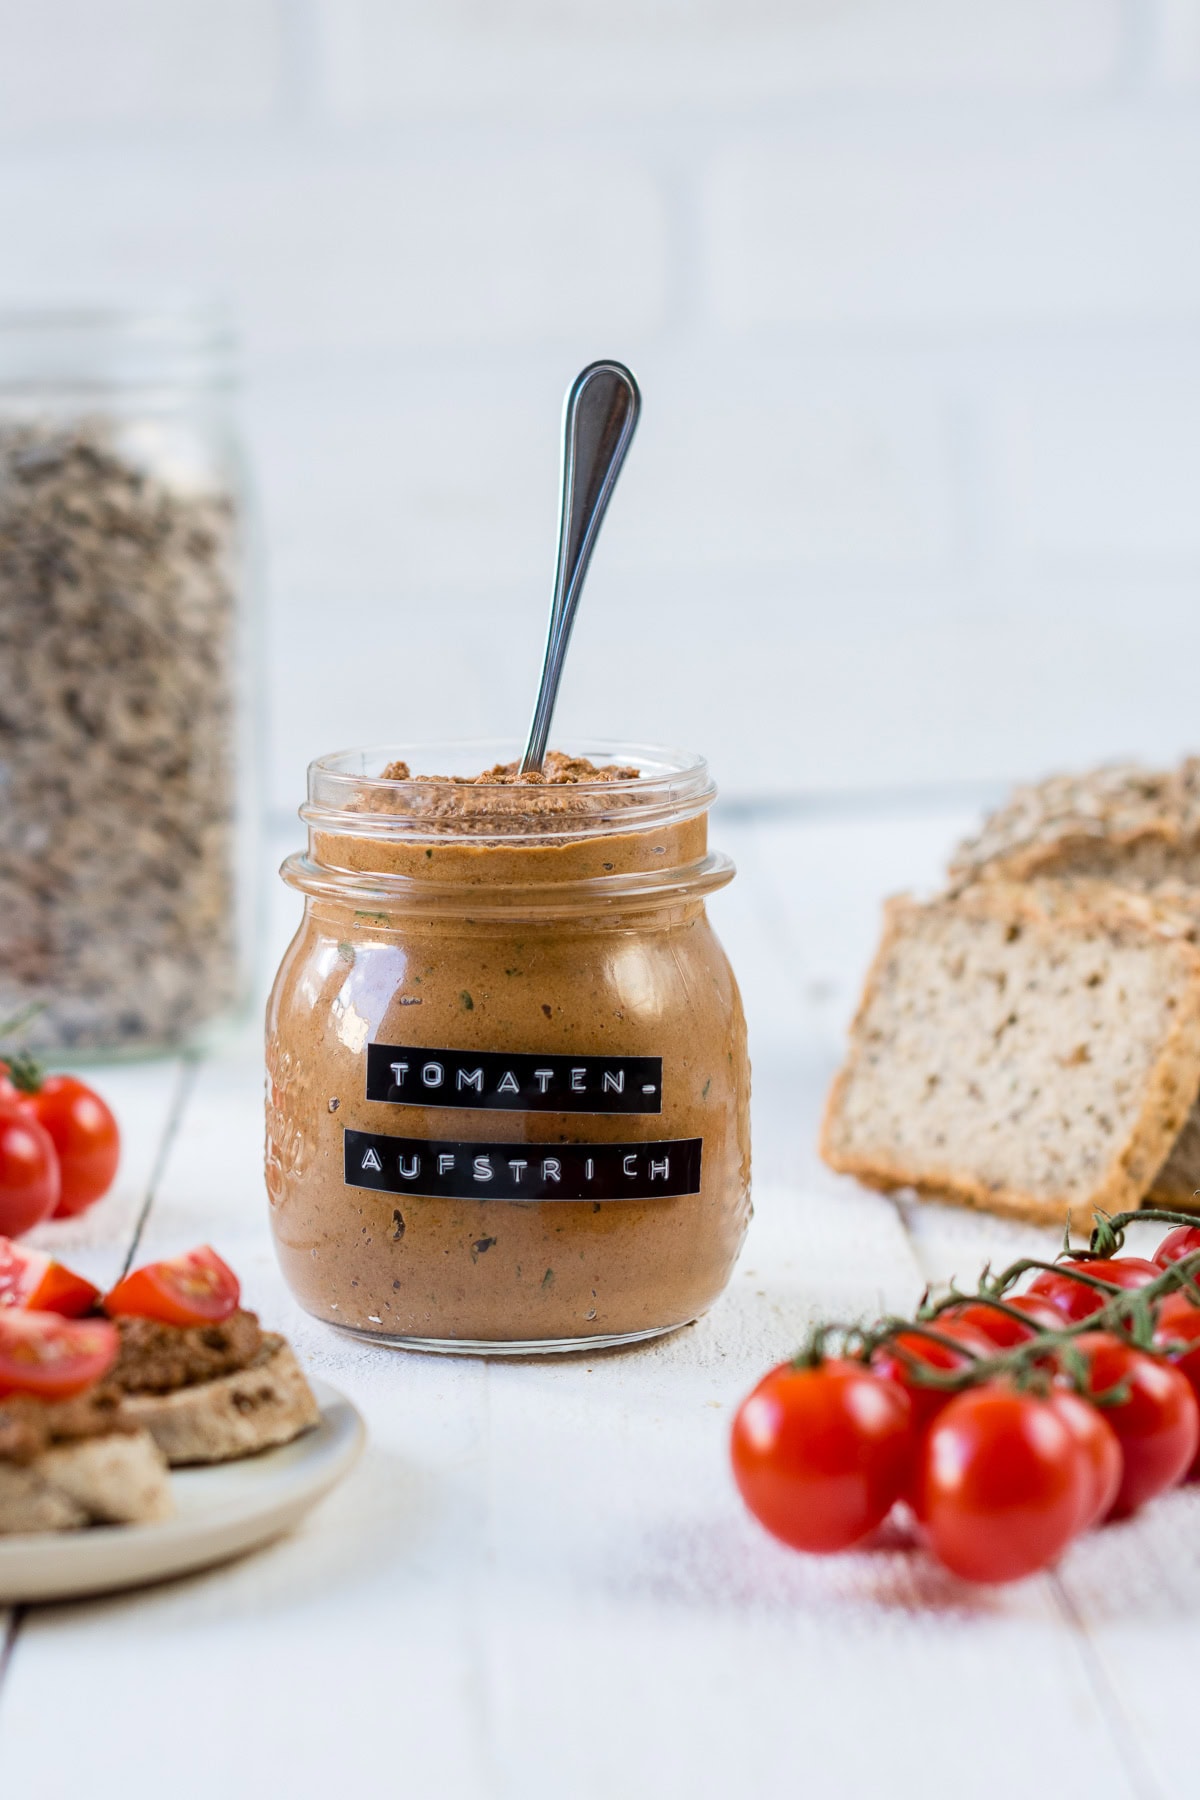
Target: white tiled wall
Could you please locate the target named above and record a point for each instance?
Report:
(912, 286)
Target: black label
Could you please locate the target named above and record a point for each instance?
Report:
(499, 1082)
(455, 1171)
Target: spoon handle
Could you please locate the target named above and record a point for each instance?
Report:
(598, 425)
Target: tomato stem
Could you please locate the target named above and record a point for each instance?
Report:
(1129, 1314)
(25, 1071)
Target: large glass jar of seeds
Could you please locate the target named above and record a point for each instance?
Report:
(508, 1089)
(125, 682)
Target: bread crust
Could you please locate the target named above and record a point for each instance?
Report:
(253, 1409)
(1111, 815)
(1171, 1089)
(1177, 1183)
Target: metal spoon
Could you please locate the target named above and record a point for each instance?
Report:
(599, 418)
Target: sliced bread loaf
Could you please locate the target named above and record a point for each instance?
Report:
(1030, 1048)
(1138, 827)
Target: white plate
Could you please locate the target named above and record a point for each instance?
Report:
(221, 1512)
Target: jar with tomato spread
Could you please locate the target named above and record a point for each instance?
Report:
(508, 1088)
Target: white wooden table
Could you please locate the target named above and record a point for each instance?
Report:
(539, 1581)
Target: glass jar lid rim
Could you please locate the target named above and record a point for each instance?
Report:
(655, 762)
(193, 314)
(343, 789)
(185, 343)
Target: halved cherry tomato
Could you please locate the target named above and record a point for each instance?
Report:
(1101, 1452)
(37, 1283)
(195, 1289)
(1183, 1241)
(84, 1133)
(1179, 1324)
(1005, 1483)
(999, 1327)
(893, 1360)
(30, 1183)
(51, 1357)
(1157, 1422)
(1078, 1299)
(819, 1454)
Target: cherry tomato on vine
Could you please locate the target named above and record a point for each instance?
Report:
(1183, 1241)
(1179, 1323)
(36, 1283)
(1005, 1484)
(819, 1454)
(999, 1327)
(51, 1357)
(1077, 1300)
(893, 1360)
(1101, 1449)
(1157, 1422)
(85, 1136)
(30, 1183)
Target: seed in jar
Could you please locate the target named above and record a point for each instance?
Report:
(117, 648)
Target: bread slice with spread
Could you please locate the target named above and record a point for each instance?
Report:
(213, 1393)
(1032, 1048)
(70, 1456)
(196, 1369)
(165, 1370)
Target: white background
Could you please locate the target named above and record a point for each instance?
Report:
(913, 290)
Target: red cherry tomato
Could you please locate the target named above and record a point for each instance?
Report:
(36, 1283)
(29, 1179)
(85, 1135)
(893, 1360)
(1179, 1324)
(1000, 1328)
(1078, 1299)
(819, 1454)
(1101, 1452)
(1005, 1484)
(51, 1357)
(1157, 1424)
(1183, 1241)
(195, 1289)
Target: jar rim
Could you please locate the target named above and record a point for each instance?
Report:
(107, 346)
(670, 786)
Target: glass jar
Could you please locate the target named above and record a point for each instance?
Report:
(126, 789)
(507, 1079)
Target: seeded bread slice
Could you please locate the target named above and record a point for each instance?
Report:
(1137, 827)
(1029, 1048)
(120, 1479)
(268, 1403)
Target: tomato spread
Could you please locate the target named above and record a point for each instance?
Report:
(157, 1359)
(28, 1426)
(508, 1088)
